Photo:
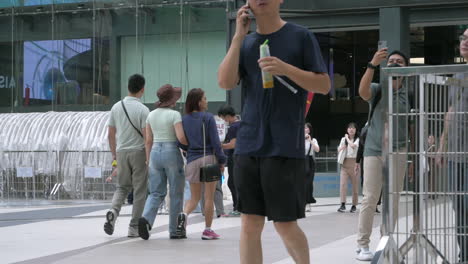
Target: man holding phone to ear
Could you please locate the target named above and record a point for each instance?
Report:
(268, 158)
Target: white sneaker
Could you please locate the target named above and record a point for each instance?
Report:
(364, 254)
(133, 232)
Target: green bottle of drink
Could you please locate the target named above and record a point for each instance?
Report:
(266, 77)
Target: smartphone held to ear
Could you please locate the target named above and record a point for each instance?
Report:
(249, 12)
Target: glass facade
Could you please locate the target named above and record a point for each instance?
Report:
(64, 54)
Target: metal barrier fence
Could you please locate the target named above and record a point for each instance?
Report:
(425, 206)
(78, 175)
(54, 155)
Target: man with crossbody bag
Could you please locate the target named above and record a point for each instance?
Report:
(126, 124)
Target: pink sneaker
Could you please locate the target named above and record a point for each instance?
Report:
(209, 235)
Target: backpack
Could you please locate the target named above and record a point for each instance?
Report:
(363, 134)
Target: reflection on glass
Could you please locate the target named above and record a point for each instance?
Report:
(65, 72)
(48, 74)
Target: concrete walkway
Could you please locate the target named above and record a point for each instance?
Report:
(73, 233)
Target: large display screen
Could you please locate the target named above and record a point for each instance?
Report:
(45, 63)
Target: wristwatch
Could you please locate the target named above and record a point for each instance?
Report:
(372, 66)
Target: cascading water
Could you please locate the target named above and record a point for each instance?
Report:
(57, 147)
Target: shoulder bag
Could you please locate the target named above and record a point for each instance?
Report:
(210, 172)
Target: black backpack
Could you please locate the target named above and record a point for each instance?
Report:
(363, 134)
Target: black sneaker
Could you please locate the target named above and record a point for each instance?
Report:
(377, 210)
(175, 236)
(143, 228)
(353, 209)
(342, 209)
(181, 224)
(110, 222)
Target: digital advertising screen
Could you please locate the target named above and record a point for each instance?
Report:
(47, 64)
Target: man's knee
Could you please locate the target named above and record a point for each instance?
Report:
(285, 228)
(252, 224)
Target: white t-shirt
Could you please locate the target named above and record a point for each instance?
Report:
(351, 152)
(162, 121)
(309, 146)
(221, 127)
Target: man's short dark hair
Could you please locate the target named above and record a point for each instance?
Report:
(226, 110)
(136, 82)
(397, 52)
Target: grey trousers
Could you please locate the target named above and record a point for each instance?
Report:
(132, 173)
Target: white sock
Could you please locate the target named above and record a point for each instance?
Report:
(208, 228)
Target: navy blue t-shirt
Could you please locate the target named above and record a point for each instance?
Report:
(230, 135)
(193, 128)
(273, 119)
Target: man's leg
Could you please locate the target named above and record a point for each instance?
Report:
(218, 199)
(140, 185)
(371, 190)
(124, 182)
(252, 206)
(400, 162)
(294, 240)
(123, 187)
(460, 205)
(231, 183)
(250, 243)
(283, 188)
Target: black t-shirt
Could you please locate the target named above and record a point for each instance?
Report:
(273, 119)
(231, 134)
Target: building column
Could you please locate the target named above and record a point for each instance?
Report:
(114, 69)
(395, 28)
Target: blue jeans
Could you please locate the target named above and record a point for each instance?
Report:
(458, 176)
(166, 165)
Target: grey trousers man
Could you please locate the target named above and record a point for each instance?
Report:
(132, 173)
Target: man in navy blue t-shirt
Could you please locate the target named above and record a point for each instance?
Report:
(269, 155)
(228, 114)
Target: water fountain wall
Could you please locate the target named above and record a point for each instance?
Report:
(45, 155)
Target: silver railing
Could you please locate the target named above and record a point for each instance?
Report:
(425, 205)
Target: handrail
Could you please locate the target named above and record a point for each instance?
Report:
(419, 70)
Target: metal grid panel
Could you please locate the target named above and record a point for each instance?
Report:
(426, 209)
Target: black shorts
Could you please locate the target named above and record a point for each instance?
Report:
(273, 187)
